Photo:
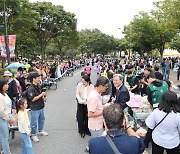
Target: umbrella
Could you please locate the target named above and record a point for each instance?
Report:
(15, 65)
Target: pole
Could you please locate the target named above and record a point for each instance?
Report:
(6, 35)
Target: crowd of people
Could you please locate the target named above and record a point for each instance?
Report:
(23, 91)
(103, 111)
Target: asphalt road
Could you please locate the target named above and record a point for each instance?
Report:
(60, 122)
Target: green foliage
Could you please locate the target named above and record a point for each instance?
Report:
(94, 41)
(44, 28)
(54, 22)
(175, 43)
(37, 24)
(165, 15)
(148, 32)
(68, 38)
(167, 11)
(140, 33)
(21, 19)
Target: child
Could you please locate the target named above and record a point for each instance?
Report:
(24, 127)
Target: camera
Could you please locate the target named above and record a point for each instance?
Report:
(43, 89)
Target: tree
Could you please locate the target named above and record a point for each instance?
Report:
(53, 20)
(94, 41)
(140, 33)
(168, 10)
(21, 19)
(175, 43)
(167, 17)
(68, 38)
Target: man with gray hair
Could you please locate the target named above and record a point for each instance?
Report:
(122, 94)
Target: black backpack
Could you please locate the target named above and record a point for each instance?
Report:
(25, 95)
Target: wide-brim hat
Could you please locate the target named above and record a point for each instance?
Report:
(7, 73)
(135, 101)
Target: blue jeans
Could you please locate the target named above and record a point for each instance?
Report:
(26, 144)
(4, 136)
(163, 72)
(167, 74)
(13, 104)
(37, 119)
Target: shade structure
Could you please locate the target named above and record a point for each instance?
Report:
(171, 53)
(15, 65)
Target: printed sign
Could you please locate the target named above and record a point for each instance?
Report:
(12, 43)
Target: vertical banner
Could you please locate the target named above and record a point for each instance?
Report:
(12, 43)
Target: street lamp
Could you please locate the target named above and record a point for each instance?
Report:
(6, 35)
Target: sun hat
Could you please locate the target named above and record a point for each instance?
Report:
(135, 101)
(7, 73)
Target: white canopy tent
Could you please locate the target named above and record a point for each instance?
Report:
(171, 53)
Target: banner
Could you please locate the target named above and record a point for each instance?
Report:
(12, 43)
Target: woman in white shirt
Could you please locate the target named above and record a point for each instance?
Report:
(82, 92)
(166, 135)
(58, 71)
(5, 111)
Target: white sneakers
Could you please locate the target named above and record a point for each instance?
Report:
(43, 133)
(35, 139)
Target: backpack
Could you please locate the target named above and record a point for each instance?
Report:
(25, 95)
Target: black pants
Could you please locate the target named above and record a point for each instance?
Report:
(82, 119)
(156, 149)
(89, 75)
(178, 74)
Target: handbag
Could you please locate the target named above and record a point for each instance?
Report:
(113, 146)
(148, 137)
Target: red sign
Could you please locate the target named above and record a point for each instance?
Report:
(12, 43)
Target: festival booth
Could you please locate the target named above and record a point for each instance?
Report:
(171, 53)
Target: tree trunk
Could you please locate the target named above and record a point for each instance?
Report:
(42, 53)
(3, 63)
(161, 50)
(161, 54)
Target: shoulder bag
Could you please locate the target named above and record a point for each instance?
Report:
(113, 146)
(148, 136)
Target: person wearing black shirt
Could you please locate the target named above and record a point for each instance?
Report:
(24, 81)
(37, 99)
(178, 71)
(53, 71)
(158, 74)
(144, 82)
